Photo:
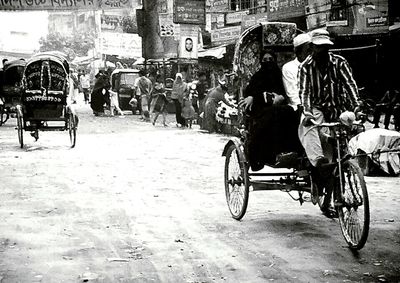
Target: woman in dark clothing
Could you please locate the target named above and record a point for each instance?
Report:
(272, 124)
(100, 93)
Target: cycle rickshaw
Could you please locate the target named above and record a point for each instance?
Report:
(349, 193)
(44, 97)
(11, 88)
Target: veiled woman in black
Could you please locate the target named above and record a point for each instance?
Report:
(272, 124)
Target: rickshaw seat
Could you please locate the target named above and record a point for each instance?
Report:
(287, 160)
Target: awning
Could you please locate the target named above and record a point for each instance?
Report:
(216, 52)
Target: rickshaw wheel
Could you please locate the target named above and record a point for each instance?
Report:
(20, 127)
(3, 115)
(353, 211)
(236, 182)
(72, 129)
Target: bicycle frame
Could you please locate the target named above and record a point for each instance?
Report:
(340, 134)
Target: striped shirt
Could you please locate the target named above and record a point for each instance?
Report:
(332, 93)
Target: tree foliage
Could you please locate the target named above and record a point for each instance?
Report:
(76, 45)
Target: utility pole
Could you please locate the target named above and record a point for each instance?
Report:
(151, 42)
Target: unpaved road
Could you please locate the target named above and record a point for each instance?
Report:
(137, 203)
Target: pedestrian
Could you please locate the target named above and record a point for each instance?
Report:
(144, 87)
(73, 86)
(159, 101)
(188, 111)
(327, 89)
(114, 104)
(178, 92)
(215, 95)
(202, 88)
(389, 102)
(100, 94)
(85, 84)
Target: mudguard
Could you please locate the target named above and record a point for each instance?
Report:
(238, 144)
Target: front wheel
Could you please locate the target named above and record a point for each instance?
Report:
(236, 182)
(4, 115)
(20, 127)
(353, 208)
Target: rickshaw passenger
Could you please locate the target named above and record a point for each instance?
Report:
(273, 124)
(290, 70)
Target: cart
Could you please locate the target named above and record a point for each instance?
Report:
(11, 88)
(44, 98)
(348, 195)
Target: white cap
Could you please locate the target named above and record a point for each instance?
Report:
(320, 37)
(301, 39)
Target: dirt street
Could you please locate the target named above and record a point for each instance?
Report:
(137, 203)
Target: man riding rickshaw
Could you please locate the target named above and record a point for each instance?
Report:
(308, 141)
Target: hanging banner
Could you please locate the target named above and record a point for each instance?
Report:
(63, 4)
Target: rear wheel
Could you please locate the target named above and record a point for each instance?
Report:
(236, 182)
(20, 127)
(72, 128)
(353, 211)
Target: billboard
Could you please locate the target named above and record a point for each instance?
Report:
(124, 44)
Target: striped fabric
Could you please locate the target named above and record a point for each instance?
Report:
(333, 93)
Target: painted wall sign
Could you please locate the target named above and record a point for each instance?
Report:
(190, 12)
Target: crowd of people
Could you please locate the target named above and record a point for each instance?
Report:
(192, 101)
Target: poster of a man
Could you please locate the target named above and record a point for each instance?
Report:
(188, 47)
(188, 44)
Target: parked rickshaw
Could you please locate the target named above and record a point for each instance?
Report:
(10, 88)
(44, 97)
(349, 196)
(122, 81)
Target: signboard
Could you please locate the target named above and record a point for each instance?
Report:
(225, 35)
(281, 9)
(118, 22)
(123, 44)
(189, 12)
(233, 18)
(218, 5)
(377, 21)
(250, 20)
(167, 26)
(63, 4)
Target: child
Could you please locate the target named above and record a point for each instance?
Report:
(158, 101)
(188, 112)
